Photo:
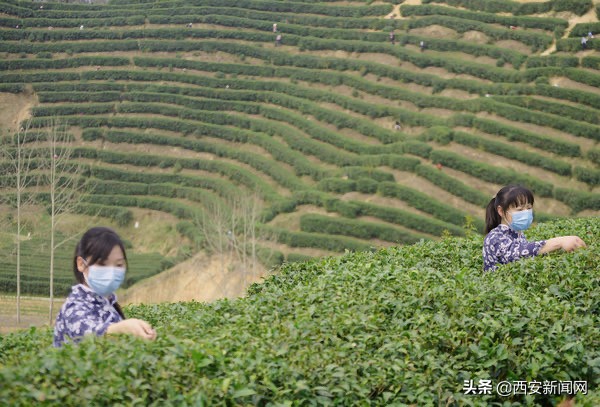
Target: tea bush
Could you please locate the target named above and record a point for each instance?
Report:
(399, 326)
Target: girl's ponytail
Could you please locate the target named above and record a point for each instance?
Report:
(492, 218)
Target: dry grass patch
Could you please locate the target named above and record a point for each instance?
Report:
(514, 45)
(16, 108)
(476, 37)
(436, 31)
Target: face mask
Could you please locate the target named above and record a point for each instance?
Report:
(521, 220)
(104, 280)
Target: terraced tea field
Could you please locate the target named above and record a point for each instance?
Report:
(351, 139)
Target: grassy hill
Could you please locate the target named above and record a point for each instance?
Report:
(174, 104)
(401, 326)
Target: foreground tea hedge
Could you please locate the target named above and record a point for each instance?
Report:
(402, 325)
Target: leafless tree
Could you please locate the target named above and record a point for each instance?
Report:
(66, 188)
(18, 158)
(229, 228)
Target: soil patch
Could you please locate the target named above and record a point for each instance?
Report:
(476, 37)
(15, 109)
(202, 278)
(436, 31)
(514, 45)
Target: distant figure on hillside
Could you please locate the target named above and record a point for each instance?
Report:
(507, 215)
(590, 35)
(81, 27)
(274, 27)
(392, 37)
(278, 40)
(397, 126)
(189, 25)
(439, 166)
(583, 43)
(99, 266)
(422, 45)
(513, 27)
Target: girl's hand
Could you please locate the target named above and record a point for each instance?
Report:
(570, 243)
(133, 326)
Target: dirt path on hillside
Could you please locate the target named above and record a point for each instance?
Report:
(396, 12)
(589, 17)
(201, 278)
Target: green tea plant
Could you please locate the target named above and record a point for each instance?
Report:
(398, 326)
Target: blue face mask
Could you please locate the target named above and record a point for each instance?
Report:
(521, 220)
(104, 280)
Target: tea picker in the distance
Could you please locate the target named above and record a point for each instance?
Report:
(99, 265)
(508, 214)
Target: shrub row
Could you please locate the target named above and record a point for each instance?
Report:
(12, 87)
(582, 29)
(588, 175)
(452, 185)
(333, 155)
(425, 203)
(222, 187)
(178, 209)
(535, 40)
(262, 164)
(515, 113)
(548, 24)
(593, 155)
(353, 209)
(578, 200)
(579, 113)
(591, 62)
(578, 7)
(13, 64)
(490, 173)
(360, 229)
(67, 110)
(552, 60)
(586, 98)
(514, 153)
(546, 143)
(408, 219)
(121, 216)
(574, 45)
(117, 21)
(283, 20)
(316, 240)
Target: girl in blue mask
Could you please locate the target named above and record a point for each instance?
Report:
(508, 214)
(99, 265)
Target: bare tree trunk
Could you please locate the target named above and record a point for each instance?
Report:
(66, 190)
(21, 158)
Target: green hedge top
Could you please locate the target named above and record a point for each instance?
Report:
(400, 326)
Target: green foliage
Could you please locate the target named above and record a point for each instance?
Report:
(491, 173)
(330, 332)
(588, 175)
(356, 228)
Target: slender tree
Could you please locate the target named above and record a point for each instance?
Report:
(19, 160)
(229, 228)
(66, 188)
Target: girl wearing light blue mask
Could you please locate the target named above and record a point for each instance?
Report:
(99, 265)
(508, 214)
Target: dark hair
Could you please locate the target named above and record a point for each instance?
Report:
(97, 243)
(510, 195)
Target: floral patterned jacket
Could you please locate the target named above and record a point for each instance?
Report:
(84, 312)
(504, 245)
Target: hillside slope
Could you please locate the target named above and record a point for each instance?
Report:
(350, 141)
(400, 326)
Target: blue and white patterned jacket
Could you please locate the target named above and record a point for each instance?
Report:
(504, 245)
(84, 312)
